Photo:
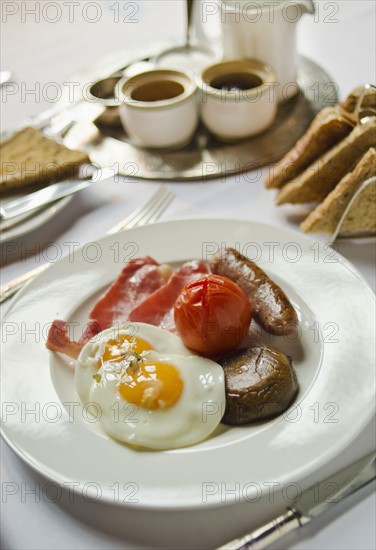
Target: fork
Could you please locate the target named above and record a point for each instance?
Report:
(147, 213)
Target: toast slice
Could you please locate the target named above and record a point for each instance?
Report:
(29, 157)
(314, 184)
(362, 215)
(328, 128)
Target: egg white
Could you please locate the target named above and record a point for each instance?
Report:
(191, 419)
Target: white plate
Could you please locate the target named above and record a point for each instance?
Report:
(21, 225)
(333, 359)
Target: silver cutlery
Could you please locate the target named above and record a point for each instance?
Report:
(314, 501)
(147, 213)
(53, 192)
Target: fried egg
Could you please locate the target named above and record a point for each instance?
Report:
(149, 388)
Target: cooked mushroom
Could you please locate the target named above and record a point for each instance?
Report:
(260, 384)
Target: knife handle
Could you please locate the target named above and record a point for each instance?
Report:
(269, 533)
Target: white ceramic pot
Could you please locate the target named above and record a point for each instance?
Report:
(236, 114)
(265, 30)
(158, 108)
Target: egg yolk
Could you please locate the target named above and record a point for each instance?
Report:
(116, 348)
(152, 385)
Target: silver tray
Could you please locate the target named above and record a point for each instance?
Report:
(206, 157)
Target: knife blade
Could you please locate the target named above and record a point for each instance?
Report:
(313, 502)
(52, 193)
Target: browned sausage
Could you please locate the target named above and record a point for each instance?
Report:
(271, 307)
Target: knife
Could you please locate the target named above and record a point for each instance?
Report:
(52, 193)
(313, 502)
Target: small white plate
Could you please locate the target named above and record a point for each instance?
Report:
(21, 225)
(333, 358)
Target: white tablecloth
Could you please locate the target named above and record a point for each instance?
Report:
(40, 51)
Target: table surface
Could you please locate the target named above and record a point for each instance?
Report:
(39, 51)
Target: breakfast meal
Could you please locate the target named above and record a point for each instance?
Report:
(165, 349)
(329, 164)
(29, 157)
(174, 351)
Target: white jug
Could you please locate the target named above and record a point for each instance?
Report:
(261, 29)
(265, 30)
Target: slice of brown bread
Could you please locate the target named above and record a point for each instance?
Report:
(328, 128)
(362, 215)
(29, 157)
(321, 177)
(326, 216)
